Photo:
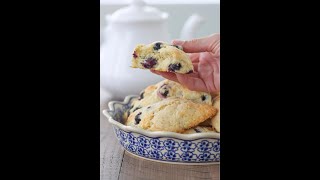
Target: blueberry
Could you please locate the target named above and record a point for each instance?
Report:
(203, 97)
(134, 54)
(163, 91)
(190, 72)
(157, 46)
(149, 63)
(174, 67)
(137, 118)
(141, 96)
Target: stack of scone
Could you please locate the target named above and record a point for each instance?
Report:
(167, 105)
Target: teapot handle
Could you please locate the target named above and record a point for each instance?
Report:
(191, 26)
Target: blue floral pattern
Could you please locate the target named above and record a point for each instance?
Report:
(216, 146)
(204, 146)
(155, 154)
(171, 155)
(143, 142)
(206, 156)
(131, 148)
(188, 156)
(171, 145)
(187, 146)
(162, 148)
(132, 140)
(176, 150)
(142, 151)
(156, 144)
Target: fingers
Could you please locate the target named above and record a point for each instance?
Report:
(192, 83)
(167, 75)
(206, 44)
(170, 74)
(195, 60)
(195, 66)
(194, 57)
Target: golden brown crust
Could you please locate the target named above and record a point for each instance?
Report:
(216, 119)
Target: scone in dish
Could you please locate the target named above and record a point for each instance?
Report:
(161, 56)
(167, 89)
(172, 115)
(189, 147)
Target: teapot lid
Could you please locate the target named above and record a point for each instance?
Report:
(137, 11)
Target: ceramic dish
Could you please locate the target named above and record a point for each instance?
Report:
(168, 147)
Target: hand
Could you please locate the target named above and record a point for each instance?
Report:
(205, 56)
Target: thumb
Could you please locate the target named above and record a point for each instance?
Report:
(206, 44)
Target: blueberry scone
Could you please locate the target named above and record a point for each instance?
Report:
(171, 114)
(166, 89)
(206, 123)
(199, 129)
(161, 56)
(216, 119)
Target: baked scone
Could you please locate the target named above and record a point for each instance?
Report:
(171, 114)
(199, 129)
(166, 89)
(161, 56)
(216, 119)
(207, 122)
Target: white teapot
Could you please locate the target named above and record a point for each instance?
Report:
(127, 27)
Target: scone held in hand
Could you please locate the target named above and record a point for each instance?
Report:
(161, 56)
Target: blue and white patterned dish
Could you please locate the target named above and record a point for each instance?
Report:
(168, 147)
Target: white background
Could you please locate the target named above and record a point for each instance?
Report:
(179, 11)
(162, 1)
